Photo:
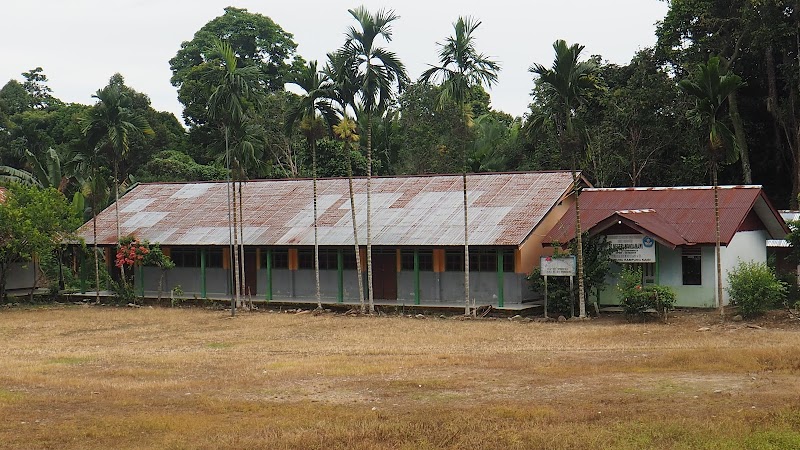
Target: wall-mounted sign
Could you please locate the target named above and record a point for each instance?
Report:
(557, 266)
(632, 248)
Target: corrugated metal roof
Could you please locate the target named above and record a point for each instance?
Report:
(409, 211)
(678, 213)
(2, 194)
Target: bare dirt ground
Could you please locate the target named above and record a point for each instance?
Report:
(102, 377)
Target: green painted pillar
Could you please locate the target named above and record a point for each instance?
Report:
(203, 265)
(417, 299)
(500, 280)
(82, 272)
(340, 275)
(269, 275)
(140, 274)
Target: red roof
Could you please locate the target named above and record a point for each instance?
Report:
(672, 215)
(504, 209)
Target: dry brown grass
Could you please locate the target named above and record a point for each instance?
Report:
(104, 377)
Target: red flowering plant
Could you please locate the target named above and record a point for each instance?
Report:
(131, 252)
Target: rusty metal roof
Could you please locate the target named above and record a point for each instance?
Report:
(674, 215)
(406, 211)
(2, 194)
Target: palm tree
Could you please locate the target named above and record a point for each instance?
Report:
(711, 89)
(84, 164)
(566, 86)
(108, 127)
(234, 88)
(461, 68)
(315, 101)
(342, 88)
(376, 71)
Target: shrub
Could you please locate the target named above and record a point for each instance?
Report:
(753, 287)
(636, 299)
(559, 300)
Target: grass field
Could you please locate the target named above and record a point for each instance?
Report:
(106, 377)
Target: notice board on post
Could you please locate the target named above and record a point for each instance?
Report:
(558, 266)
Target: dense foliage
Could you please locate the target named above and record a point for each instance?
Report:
(637, 299)
(634, 130)
(33, 223)
(754, 288)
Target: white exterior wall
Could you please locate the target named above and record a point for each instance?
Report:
(750, 246)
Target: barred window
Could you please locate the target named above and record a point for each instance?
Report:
(185, 256)
(691, 265)
(454, 260)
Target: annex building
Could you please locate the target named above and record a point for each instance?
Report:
(670, 233)
(417, 236)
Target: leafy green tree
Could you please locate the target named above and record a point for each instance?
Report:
(108, 128)
(711, 89)
(461, 68)
(430, 143)
(256, 41)
(566, 85)
(38, 91)
(33, 221)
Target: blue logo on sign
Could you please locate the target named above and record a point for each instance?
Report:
(647, 241)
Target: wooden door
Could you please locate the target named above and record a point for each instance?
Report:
(250, 273)
(384, 276)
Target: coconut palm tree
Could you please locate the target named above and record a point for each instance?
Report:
(461, 68)
(234, 89)
(108, 127)
(711, 90)
(377, 71)
(566, 85)
(312, 104)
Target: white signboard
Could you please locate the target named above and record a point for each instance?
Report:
(632, 248)
(557, 266)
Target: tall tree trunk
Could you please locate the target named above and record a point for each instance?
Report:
(370, 290)
(116, 212)
(243, 282)
(355, 226)
(579, 242)
(741, 138)
(717, 249)
(231, 225)
(94, 232)
(316, 225)
(466, 237)
(236, 280)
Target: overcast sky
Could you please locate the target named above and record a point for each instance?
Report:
(81, 43)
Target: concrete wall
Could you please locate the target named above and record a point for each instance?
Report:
(749, 246)
(533, 248)
(670, 273)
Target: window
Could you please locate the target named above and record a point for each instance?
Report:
(328, 259)
(280, 258)
(214, 257)
(185, 256)
(508, 260)
(305, 259)
(483, 260)
(407, 260)
(691, 264)
(454, 260)
(425, 260)
(349, 259)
